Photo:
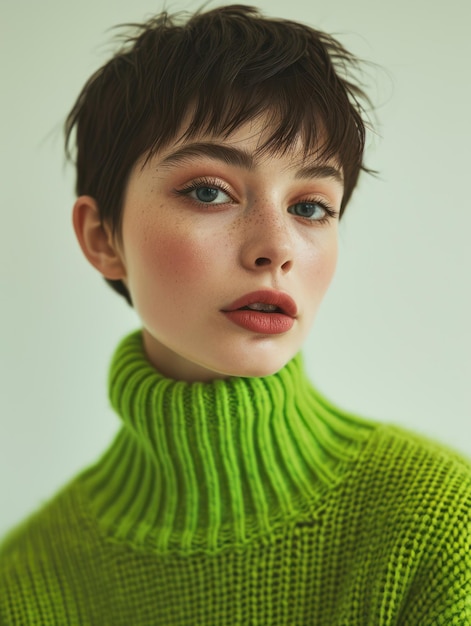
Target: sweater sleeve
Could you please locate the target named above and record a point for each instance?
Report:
(445, 597)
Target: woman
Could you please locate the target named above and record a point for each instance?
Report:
(215, 157)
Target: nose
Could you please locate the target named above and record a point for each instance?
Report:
(268, 241)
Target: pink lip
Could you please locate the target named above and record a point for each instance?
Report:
(277, 298)
(258, 321)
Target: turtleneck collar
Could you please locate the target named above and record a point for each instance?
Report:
(203, 466)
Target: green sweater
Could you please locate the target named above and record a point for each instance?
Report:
(245, 502)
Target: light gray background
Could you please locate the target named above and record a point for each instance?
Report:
(392, 339)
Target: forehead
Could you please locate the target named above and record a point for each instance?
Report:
(247, 147)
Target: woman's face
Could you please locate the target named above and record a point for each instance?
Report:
(207, 225)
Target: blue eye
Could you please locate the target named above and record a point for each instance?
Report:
(208, 195)
(314, 211)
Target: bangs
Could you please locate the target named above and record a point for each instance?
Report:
(287, 123)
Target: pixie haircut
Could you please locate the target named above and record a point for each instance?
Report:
(221, 68)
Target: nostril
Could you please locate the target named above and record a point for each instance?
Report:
(262, 261)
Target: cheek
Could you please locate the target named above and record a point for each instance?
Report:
(321, 265)
(331, 263)
(173, 258)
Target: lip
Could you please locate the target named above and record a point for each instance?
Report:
(260, 322)
(277, 298)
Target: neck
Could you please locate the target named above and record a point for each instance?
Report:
(210, 464)
(172, 365)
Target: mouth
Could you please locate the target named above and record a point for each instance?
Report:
(265, 301)
(262, 308)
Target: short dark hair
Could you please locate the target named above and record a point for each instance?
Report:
(227, 66)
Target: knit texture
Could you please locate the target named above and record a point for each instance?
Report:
(245, 501)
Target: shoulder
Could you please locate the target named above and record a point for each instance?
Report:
(414, 475)
(52, 521)
(415, 462)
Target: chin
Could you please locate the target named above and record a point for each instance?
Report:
(255, 359)
(261, 372)
(258, 368)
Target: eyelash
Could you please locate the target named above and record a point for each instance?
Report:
(216, 184)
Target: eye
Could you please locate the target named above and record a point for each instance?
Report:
(206, 192)
(208, 195)
(312, 211)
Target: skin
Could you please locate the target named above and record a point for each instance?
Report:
(185, 260)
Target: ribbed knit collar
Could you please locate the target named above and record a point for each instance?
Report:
(204, 466)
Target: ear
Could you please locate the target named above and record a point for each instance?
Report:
(96, 240)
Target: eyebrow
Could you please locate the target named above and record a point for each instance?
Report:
(243, 159)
